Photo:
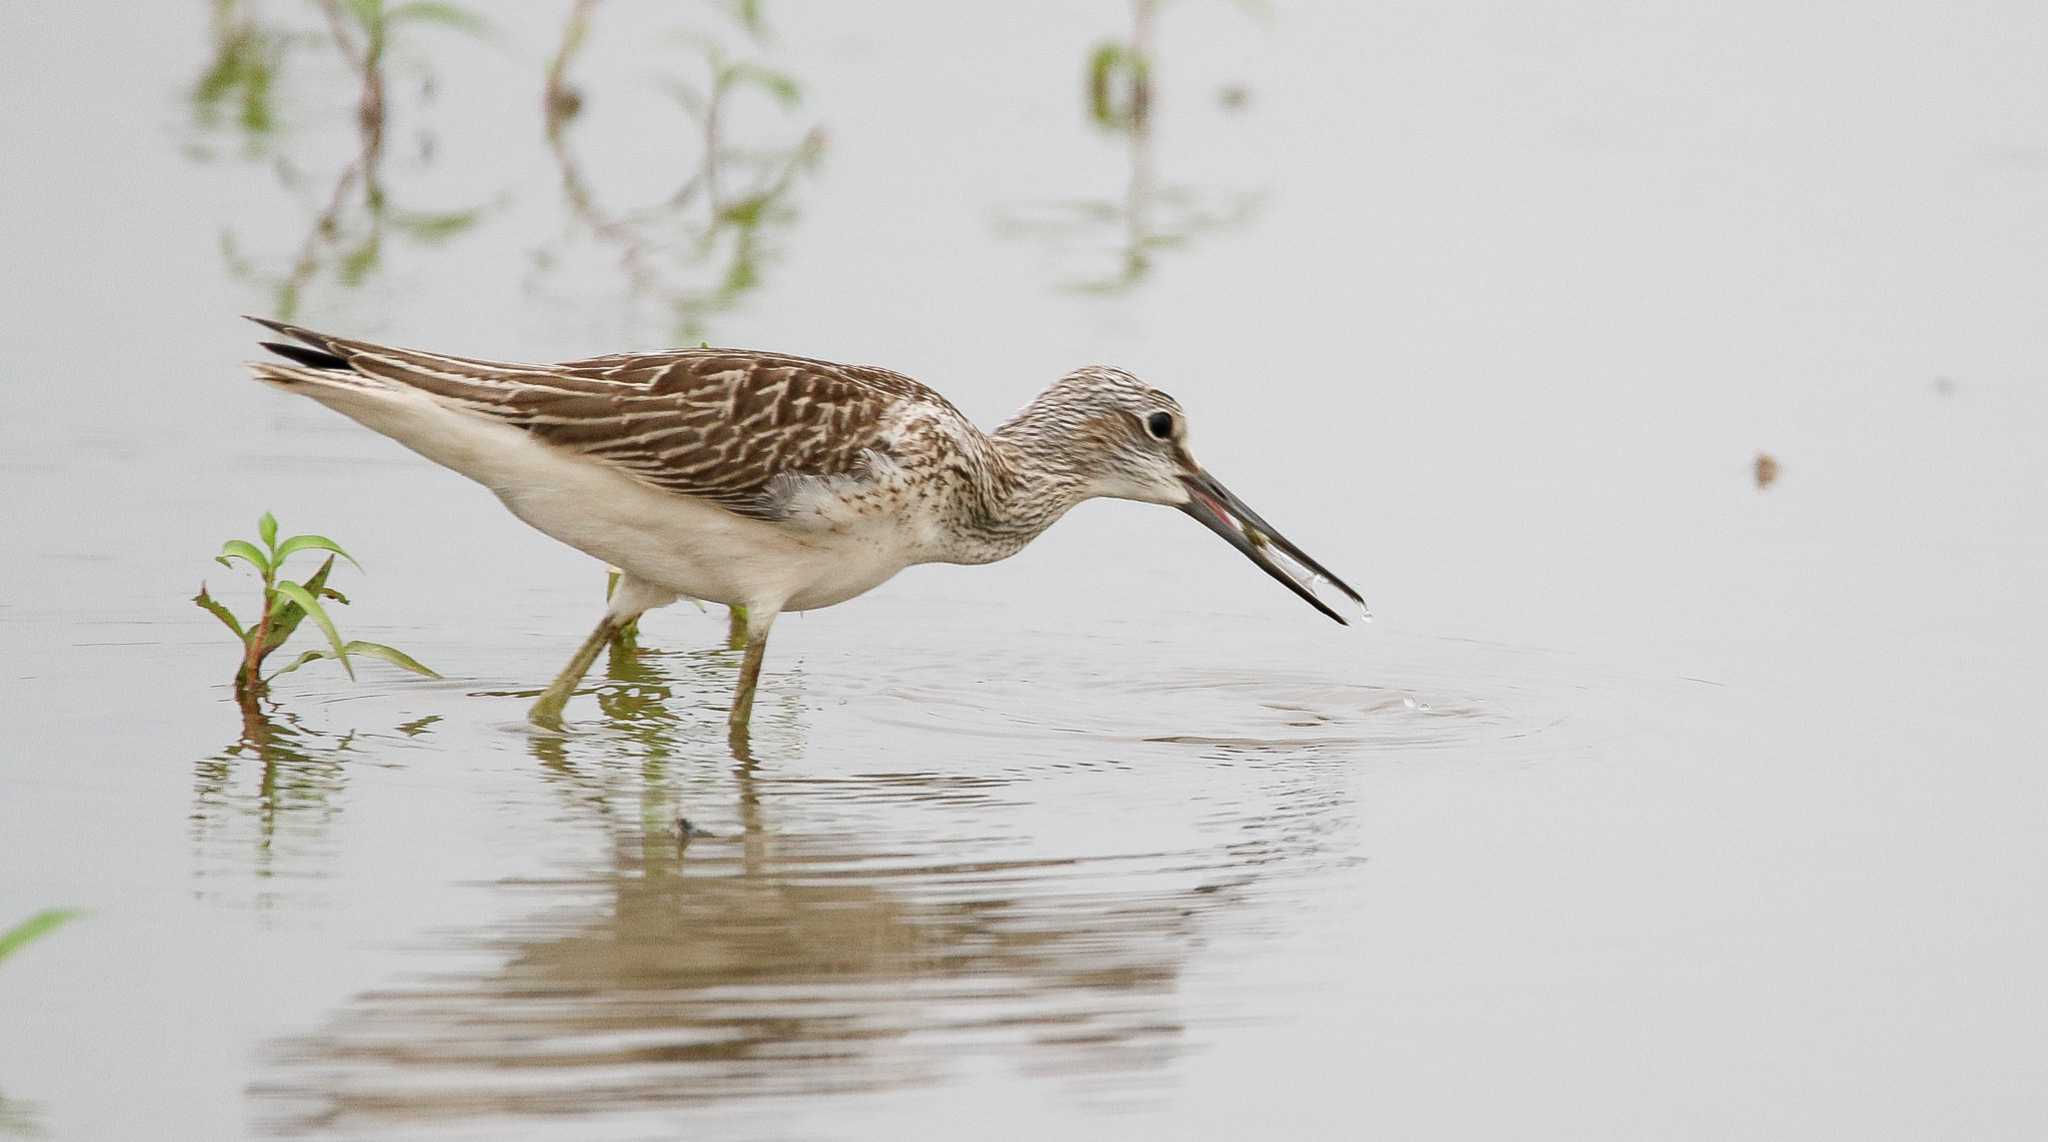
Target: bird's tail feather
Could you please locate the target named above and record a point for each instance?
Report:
(318, 377)
(312, 363)
(311, 358)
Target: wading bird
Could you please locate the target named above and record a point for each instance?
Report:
(767, 482)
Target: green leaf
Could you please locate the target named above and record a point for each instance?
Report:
(692, 100)
(34, 928)
(775, 83)
(285, 619)
(266, 530)
(311, 606)
(208, 604)
(301, 660)
(748, 13)
(746, 213)
(357, 263)
(434, 12)
(244, 550)
(298, 543)
(392, 655)
(369, 13)
(1104, 64)
(431, 228)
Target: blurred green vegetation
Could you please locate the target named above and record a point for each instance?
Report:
(698, 251)
(238, 89)
(277, 69)
(18, 1118)
(264, 56)
(1119, 237)
(34, 928)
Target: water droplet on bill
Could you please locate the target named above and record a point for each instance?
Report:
(1318, 584)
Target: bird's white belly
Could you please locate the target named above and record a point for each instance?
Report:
(665, 540)
(697, 549)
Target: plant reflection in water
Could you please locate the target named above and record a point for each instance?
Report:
(261, 807)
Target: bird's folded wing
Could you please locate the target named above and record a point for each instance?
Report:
(731, 427)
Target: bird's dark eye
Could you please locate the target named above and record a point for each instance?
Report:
(1160, 425)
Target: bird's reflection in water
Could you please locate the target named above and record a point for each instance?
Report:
(779, 951)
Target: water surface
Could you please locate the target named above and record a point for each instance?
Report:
(1655, 802)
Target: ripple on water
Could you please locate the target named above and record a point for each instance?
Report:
(1269, 709)
(938, 867)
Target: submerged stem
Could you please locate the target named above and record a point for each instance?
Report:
(249, 679)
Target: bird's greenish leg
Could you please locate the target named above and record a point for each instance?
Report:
(736, 631)
(547, 710)
(758, 621)
(624, 634)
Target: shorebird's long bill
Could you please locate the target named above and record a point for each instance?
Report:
(1241, 527)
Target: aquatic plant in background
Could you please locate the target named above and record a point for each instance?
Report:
(242, 92)
(1118, 237)
(700, 250)
(285, 605)
(239, 85)
(1111, 61)
(363, 31)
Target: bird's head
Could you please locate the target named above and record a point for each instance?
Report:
(1123, 439)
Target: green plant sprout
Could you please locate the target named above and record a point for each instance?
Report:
(32, 929)
(286, 604)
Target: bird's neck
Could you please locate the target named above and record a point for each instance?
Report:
(1026, 483)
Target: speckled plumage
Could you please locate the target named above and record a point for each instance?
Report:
(808, 444)
(761, 480)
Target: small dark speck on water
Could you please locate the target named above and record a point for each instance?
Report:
(1766, 470)
(1233, 97)
(1944, 386)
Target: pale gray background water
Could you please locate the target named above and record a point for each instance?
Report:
(1654, 805)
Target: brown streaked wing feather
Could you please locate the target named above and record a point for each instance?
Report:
(716, 424)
